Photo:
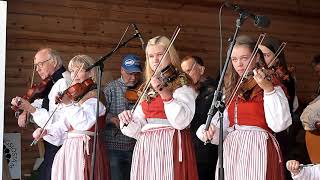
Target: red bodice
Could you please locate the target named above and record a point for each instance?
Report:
(154, 108)
(249, 113)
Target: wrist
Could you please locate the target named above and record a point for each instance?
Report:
(167, 99)
(32, 109)
(165, 94)
(268, 89)
(296, 172)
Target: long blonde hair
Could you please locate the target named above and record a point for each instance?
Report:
(78, 60)
(164, 42)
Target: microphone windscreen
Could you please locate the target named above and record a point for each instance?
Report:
(261, 21)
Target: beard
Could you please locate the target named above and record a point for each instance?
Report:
(131, 84)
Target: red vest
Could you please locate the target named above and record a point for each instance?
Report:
(154, 108)
(249, 113)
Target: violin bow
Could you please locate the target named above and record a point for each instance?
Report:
(252, 57)
(55, 109)
(279, 50)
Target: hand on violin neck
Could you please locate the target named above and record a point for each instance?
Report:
(261, 78)
(162, 90)
(65, 100)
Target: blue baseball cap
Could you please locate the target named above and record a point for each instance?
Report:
(131, 63)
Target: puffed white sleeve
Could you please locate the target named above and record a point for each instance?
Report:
(276, 108)
(56, 132)
(181, 108)
(83, 117)
(308, 173)
(41, 115)
(216, 125)
(134, 127)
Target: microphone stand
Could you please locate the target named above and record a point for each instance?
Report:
(217, 103)
(99, 64)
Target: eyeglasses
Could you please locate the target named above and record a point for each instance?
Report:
(40, 64)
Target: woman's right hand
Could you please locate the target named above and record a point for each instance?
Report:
(208, 135)
(293, 166)
(37, 134)
(125, 117)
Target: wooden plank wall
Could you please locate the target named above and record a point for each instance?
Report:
(94, 28)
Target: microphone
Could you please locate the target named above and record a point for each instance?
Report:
(260, 21)
(139, 36)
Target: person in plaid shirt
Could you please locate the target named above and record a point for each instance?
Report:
(119, 146)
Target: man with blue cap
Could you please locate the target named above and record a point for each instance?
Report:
(120, 147)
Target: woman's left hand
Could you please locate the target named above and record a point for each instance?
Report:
(163, 91)
(262, 81)
(66, 100)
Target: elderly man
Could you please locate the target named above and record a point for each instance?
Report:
(119, 146)
(206, 154)
(48, 64)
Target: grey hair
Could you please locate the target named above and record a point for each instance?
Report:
(53, 54)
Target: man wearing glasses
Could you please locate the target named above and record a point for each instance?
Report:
(206, 155)
(48, 64)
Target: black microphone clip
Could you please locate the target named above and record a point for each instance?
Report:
(138, 34)
(260, 21)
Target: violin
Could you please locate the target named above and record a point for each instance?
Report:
(171, 78)
(76, 91)
(132, 93)
(249, 83)
(35, 92)
(167, 76)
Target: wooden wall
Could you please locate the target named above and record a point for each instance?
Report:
(94, 28)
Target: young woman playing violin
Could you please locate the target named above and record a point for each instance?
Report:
(160, 122)
(73, 160)
(250, 149)
(286, 138)
(269, 47)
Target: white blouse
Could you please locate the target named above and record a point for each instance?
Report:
(308, 173)
(277, 114)
(179, 111)
(41, 115)
(78, 117)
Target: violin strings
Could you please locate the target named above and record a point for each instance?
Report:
(253, 54)
(146, 87)
(281, 47)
